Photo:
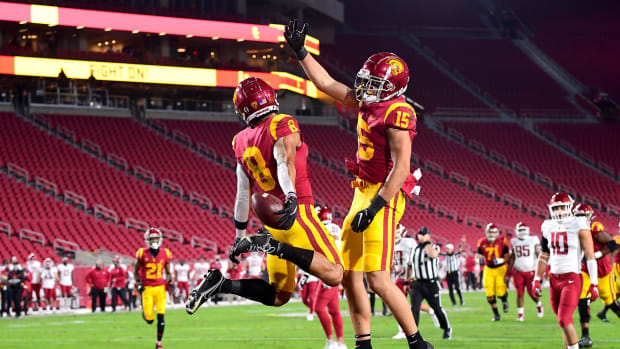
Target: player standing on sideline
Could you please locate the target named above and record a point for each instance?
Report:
(118, 283)
(148, 271)
(565, 239)
(272, 154)
(65, 275)
(15, 281)
(181, 275)
(34, 267)
(603, 244)
(495, 253)
(453, 270)
(255, 265)
(525, 251)
(308, 285)
(616, 257)
(470, 271)
(49, 276)
(4, 275)
(386, 127)
(201, 268)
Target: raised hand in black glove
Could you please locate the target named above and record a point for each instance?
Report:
(295, 35)
(289, 212)
(363, 218)
(232, 255)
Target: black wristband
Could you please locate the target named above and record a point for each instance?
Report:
(240, 225)
(612, 245)
(301, 53)
(376, 204)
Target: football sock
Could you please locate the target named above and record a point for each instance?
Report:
(160, 326)
(584, 311)
(585, 332)
(431, 311)
(520, 311)
(254, 289)
(495, 311)
(504, 298)
(365, 344)
(574, 346)
(614, 307)
(416, 341)
(539, 304)
(298, 256)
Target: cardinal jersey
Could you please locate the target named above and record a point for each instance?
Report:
(65, 274)
(152, 268)
(182, 272)
(561, 238)
(255, 265)
(603, 263)
(617, 257)
(373, 151)
(254, 151)
(525, 253)
(493, 250)
(48, 277)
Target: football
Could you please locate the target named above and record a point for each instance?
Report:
(264, 206)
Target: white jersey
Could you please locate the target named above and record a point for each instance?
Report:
(224, 267)
(65, 274)
(34, 268)
(48, 277)
(255, 265)
(308, 277)
(562, 239)
(200, 269)
(182, 272)
(402, 254)
(334, 231)
(525, 253)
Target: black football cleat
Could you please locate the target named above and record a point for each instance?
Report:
(209, 286)
(585, 342)
(447, 334)
(601, 315)
(496, 318)
(262, 241)
(505, 307)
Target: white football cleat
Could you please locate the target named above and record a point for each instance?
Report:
(400, 335)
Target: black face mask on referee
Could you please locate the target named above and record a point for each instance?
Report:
(424, 267)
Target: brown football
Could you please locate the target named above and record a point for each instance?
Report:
(264, 206)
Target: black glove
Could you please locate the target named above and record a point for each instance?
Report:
(289, 212)
(139, 286)
(295, 35)
(363, 218)
(231, 255)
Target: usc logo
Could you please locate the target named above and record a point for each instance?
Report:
(396, 65)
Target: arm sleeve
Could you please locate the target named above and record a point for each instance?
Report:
(544, 246)
(401, 116)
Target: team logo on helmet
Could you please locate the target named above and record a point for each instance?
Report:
(254, 105)
(396, 66)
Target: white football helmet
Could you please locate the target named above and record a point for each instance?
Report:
(491, 232)
(48, 263)
(153, 238)
(522, 230)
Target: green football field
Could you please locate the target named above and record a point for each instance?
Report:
(256, 326)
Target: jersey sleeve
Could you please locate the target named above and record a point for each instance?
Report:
(401, 116)
(168, 254)
(597, 227)
(582, 224)
(139, 253)
(283, 125)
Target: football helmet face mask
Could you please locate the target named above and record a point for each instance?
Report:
(560, 206)
(383, 76)
(522, 231)
(153, 238)
(116, 260)
(491, 232)
(254, 98)
(48, 263)
(325, 214)
(583, 210)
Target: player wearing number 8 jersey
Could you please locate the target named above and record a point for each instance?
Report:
(272, 155)
(565, 239)
(151, 263)
(386, 125)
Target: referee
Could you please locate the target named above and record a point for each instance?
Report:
(453, 267)
(423, 263)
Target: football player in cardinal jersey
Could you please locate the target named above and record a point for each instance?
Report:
(272, 155)
(386, 126)
(148, 271)
(525, 250)
(616, 258)
(495, 251)
(565, 239)
(604, 244)
(65, 275)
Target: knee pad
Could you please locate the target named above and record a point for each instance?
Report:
(584, 311)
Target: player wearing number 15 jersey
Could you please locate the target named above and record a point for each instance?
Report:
(565, 239)
(149, 273)
(272, 155)
(525, 250)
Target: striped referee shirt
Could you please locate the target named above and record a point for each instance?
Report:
(453, 263)
(424, 267)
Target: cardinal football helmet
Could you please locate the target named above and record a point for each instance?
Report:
(253, 99)
(522, 230)
(583, 210)
(153, 238)
(325, 214)
(383, 76)
(560, 206)
(491, 232)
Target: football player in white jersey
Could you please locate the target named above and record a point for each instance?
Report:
(34, 268)
(565, 239)
(65, 275)
(525, 250)
(182, 271)
(201, 268)
(49, 276)
(255, 265)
